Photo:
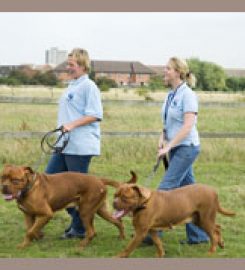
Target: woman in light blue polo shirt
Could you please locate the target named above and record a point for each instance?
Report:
(180, 137)
(80, 112)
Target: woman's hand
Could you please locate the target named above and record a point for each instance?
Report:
(68, 127)
(163, 151)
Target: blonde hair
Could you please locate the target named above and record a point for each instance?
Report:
(81, 57)
(181, 66)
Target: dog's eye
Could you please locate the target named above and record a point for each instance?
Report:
(124, 199)
(15, 181)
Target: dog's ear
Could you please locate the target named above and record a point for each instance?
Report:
(133, 179)
(28, 170)
(143, 192)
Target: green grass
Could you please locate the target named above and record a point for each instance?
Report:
(142, 117)
(220, 164)
(118, 157)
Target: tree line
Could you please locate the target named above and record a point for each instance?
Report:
(30, 77)
(210, 77)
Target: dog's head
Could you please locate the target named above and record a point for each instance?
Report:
(14, 179)
(129, 197)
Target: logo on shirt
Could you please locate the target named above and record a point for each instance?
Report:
(174, 103)
(70, 96)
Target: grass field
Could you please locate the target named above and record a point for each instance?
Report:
(220, 164)
(117, 94)
(141, 117)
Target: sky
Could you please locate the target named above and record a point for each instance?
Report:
(151, 38)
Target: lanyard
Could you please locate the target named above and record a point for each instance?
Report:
(169, 101)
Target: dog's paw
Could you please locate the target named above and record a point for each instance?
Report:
(22, 245)
(121, 255)
(160, 255)
(84, 243)
(211, 252)
(79, 250)
(222, 245)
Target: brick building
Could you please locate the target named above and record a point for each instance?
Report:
(124, 73)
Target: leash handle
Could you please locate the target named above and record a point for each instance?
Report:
(53, 147)
(165, 163)
(155, 167)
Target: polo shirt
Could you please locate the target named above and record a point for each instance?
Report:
(80, 99)
(181, 102)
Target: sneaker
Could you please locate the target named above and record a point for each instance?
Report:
(68, 229)
(72, 234)
(148, 240)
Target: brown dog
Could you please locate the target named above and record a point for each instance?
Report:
(40, 195)
(154, 210)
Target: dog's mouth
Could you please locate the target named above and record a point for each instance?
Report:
(8, 197)
(118, 214)
(11, 196)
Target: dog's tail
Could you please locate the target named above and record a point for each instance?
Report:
(225, 212)
(116, 184)
(133, 179)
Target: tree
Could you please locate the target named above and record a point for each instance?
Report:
(210, 77)
(105, 83)
(156, 82)
(48, 78)
(213, 77)
(235, 83)
(19, 77)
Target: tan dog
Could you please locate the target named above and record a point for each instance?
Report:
(40, 195)
(154, 210)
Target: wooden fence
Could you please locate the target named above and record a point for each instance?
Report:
(39, 134)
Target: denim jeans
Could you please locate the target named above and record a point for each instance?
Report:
(180, 173)
(75, 163)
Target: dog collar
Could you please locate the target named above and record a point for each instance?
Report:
(22, 193)
(141, 207)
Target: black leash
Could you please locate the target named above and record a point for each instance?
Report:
(52, 146)
(155, 167)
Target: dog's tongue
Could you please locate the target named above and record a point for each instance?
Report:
(119, 214)
(8, 197)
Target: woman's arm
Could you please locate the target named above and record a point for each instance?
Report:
(189, 120)
(80, 122)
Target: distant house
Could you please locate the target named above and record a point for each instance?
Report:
(7, 69)
(61, 72)
(124, 73)
(158, 69)
(232, 72)
(43, 68)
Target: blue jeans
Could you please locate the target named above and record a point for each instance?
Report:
(180, 173)
(75, 163)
